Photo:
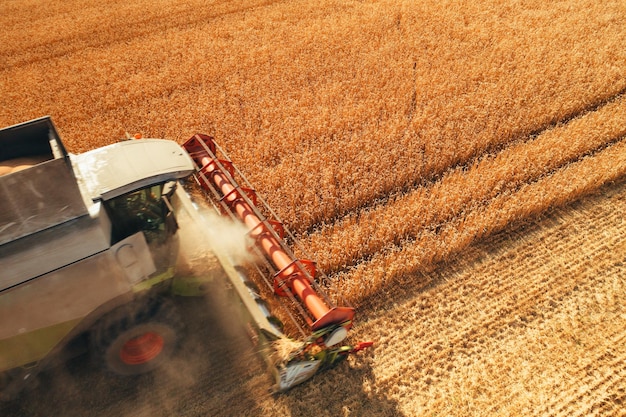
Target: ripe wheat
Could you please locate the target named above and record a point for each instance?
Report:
(324, 114)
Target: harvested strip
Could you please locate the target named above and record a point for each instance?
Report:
(488, 339)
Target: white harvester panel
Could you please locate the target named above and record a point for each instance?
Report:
(117, 169)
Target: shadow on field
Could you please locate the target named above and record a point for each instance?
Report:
(417, 280)
(215, 373)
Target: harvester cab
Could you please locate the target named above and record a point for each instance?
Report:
(90, 247)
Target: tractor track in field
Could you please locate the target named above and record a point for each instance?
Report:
(416, 258)
(496, 148)
(143, 27)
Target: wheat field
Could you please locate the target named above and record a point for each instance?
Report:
(456, 169)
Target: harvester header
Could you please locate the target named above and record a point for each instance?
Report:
(294, 276)
(323, 324)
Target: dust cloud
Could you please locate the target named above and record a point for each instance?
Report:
(214, 362)
(205, 231)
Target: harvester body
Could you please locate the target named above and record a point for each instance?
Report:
(79, 236)
(83, 237)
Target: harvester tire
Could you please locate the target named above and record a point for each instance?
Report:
(137, 339)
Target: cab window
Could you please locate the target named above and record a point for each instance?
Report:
(143, 210)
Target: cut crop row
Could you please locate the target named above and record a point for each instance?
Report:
(432, 246)
(363, 234)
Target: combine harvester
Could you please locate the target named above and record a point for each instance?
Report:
(90, 245)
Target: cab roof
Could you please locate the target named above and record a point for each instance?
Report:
(126, 166)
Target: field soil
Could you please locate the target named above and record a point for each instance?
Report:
(458, 170)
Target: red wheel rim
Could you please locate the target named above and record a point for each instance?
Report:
(142, 349)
